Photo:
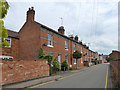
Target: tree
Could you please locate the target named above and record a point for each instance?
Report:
(110, 59)
(77, 54)
(4, 6)
(64, 65)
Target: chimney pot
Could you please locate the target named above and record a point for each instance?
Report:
(71, 36)
(32, 8)
(30, 14)
(61, 30)
(76, 38)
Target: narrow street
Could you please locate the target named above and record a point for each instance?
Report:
(94, 77)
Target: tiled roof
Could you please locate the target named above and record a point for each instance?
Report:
(13, 34)
(61, 34)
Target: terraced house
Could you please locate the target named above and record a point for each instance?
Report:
(26, 43)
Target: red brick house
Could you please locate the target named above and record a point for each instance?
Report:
(115, 55)
(26, 43)
(12, 50)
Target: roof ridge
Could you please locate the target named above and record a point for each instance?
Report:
(12, 31)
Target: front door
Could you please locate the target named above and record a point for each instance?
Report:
(59, 60)
(78, 62)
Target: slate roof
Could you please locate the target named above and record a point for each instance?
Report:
(13, 34)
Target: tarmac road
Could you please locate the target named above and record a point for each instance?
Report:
(94, 77)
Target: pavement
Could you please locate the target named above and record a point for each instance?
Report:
(34, 82)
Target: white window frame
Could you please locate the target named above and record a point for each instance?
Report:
(66, 45)
(0, 40)
(6, 57)
(74, 47)
(50, 39)
(75, 61)
(8, 42)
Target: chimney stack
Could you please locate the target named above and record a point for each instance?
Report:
(61, 30)
(30, 14)
(76, 38)
(71, 36)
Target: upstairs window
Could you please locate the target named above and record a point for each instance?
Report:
(66, 45)
(50, 40)
(9, 41)
(74, 47)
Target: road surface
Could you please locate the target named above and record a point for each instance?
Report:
(93, 77)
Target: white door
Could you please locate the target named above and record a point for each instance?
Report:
(78, 62)
(59, 60)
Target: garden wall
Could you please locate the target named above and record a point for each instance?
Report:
(20, 70)
(116, 67)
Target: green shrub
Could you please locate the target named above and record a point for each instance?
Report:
(77, 54)
(56, 65)
(110, 59)
(95, 62)
(48, 57)
(64, 66)
(116, 83)
(41, 54)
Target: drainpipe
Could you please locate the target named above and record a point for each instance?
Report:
(71, 52)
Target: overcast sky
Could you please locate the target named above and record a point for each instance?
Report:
(94, 21)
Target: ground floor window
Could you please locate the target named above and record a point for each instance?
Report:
(66, 58)
(74, 61)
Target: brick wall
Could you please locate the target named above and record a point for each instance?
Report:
(115, 55)
(29, 41)
(20, 70)
(116, 67)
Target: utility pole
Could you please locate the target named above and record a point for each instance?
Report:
(89, 53)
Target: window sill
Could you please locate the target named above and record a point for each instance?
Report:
(6, 47)
(50, 46)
